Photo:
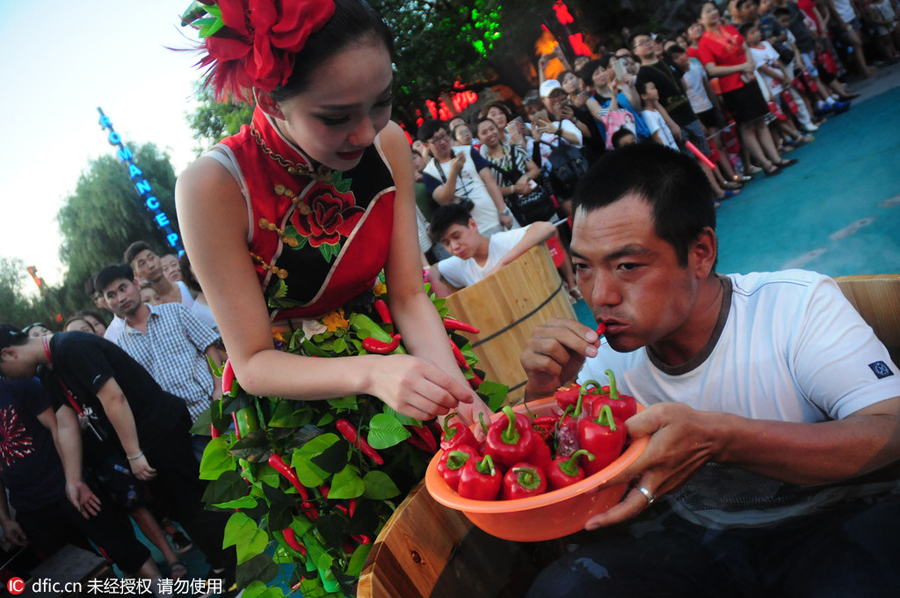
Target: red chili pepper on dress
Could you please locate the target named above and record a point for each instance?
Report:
(523, 480)
(602, 437)
(284, 469)
(456, 435)
(383, 312)
(381, 348)
(349, 432)
(426, 436)
(460, 358)
(451, 463)
(227, 377)
(475, 381)
(509, 440)
(290, 538)
(565, 471)
(451, 324)
(622, 406)
(480, 479)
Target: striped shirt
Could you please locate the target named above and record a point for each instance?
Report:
(173, 351)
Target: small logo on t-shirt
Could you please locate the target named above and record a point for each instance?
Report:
(881, 369)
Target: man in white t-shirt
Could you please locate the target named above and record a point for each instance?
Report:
(773, 413)
(462, 175)
(474, 255)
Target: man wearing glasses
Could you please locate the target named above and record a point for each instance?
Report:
(464, 176)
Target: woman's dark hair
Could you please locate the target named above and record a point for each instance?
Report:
(75, 318)
(499, 105)
(621, 134)
(90, 312)
(679, 194)
(353, 22)
(587, 71)
(184, 264)
(563, 74)
(445, 217)
(745, 28)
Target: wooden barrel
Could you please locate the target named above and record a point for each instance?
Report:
(426, 550)
(412, 549)
(506, 306)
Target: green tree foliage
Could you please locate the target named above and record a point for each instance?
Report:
(22, 308)
(13, 305)
(212, 121)
(106, 214)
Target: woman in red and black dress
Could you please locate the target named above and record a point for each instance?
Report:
(724, 53)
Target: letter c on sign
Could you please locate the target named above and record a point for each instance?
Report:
(15, 585)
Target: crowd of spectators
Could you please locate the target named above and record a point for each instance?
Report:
(737, 91)
(122, 398)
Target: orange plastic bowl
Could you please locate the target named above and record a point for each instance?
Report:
(551, 515)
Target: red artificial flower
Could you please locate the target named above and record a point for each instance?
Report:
(256, 47)
(324, 215)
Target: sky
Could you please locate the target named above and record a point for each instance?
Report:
(61, 61)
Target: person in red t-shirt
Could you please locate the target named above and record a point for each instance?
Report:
(724, 53)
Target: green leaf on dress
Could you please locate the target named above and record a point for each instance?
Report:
(346, 484)
(379, 486)
(216, 459)
(244, 534)
(386, 431)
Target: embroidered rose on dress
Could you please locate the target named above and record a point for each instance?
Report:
(324, 216)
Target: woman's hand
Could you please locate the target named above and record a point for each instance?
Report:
(416, 387)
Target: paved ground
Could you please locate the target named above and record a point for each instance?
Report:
(838, 210)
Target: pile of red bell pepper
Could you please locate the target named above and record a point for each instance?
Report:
(522, 455)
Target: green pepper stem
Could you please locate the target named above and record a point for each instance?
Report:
(613, 392)
(485, 466)
(457, 459)
(570, 466)
(510, 435)
(606, 418)
(449, 432)
(527, 477)
(481, 421)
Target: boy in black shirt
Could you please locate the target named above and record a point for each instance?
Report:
(85, 371)
(31, 471)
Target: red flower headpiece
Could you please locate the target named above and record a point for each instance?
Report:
(252, 43)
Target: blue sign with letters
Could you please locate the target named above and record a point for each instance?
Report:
(141, 185)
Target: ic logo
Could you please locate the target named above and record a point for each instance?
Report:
(881, 369)
(15, 585)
